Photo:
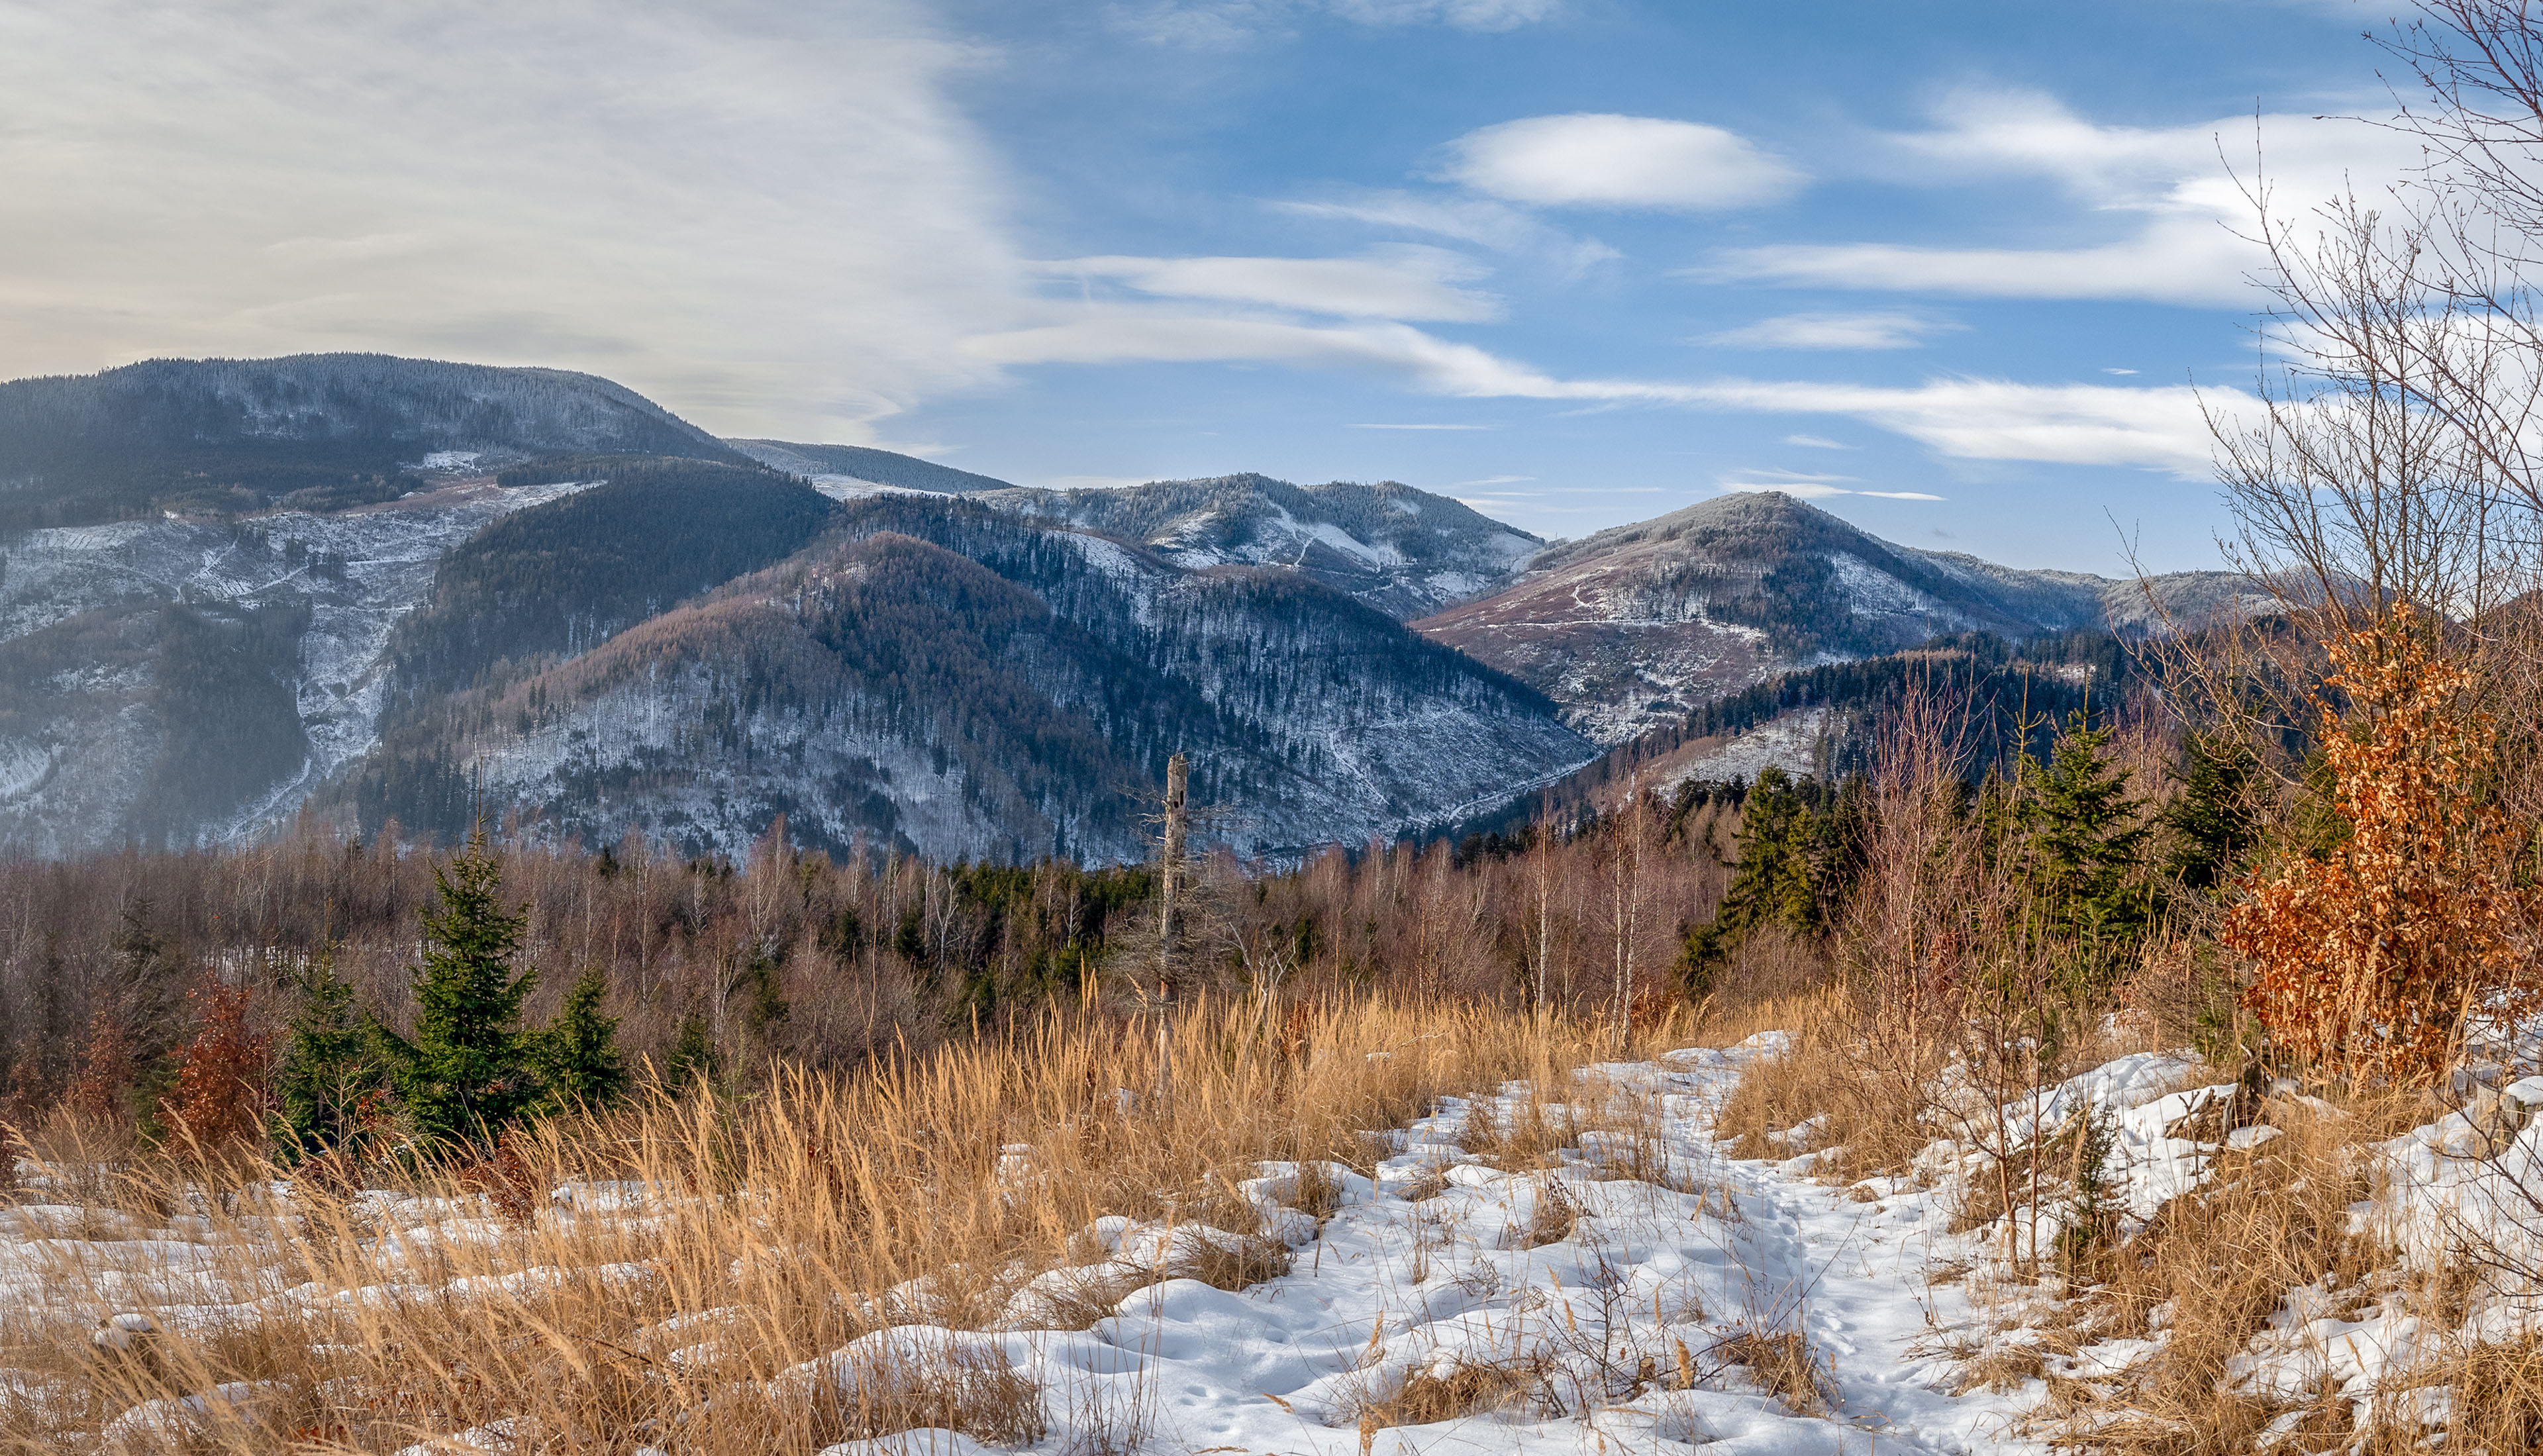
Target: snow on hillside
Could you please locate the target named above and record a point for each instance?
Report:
(1331, 739)
(850, 488)
(358, 572)
(1791, 742)
(1402, 551)
(653, 722)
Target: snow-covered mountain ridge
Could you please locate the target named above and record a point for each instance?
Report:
(322, 431)
(234, 590)
(189, 681)
(1630, 628)
(938, 675)
(1403, 551)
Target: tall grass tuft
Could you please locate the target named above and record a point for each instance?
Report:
(706, 1275)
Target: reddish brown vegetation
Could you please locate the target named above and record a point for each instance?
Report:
(2367, 959)
(218, 1104)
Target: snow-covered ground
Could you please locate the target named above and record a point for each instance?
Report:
(1628, 1330)
(1639, 1294)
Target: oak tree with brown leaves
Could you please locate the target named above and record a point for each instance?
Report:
(218, 1101)
(2369, 958)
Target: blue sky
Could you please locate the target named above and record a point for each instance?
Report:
(1947, 269)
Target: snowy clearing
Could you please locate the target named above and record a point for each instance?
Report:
(1641, 1291)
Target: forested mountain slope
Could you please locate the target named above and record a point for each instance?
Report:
(322, 431)
(360, 584)
(1631, 628)
(184, 681)
(864, 463)
(560, 581)
(1402, 551)
(942, 676)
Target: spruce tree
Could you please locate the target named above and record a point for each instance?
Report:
(323, 1072)
(693, 1057)
(467, 1072)
(1781, 844)
(2213, 830)
(578, 1053)
(2085, 843)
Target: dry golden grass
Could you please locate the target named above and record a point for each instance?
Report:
(1461, 1388)
(787, 1227)
(1784, 1365)
(2217, 1265)
(1871, 1092)
(1555, 1216)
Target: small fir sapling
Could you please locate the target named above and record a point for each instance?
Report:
(325, 1071)
(577, 1054)
(467, 1072)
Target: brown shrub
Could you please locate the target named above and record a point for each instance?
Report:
(2368, 958)
(217, 1106)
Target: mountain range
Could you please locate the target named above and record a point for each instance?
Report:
(1632, 628)
(374, 590)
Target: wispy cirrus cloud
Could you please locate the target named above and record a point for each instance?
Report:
(1464, 15)
(2181, 217)
(1879, 329)
(2160, 427)
(1806, 487)
(1401, 281)
(1229, 24)
(1479, 220)
(264, 177)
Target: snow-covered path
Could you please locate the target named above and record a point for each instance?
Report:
(1604, 1306)
(1578, 1269)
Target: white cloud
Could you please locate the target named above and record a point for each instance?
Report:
(1593, 160)
(1404, 281)
(2182, 214)
(1478, 220)
(1999, 419)
(1097, 482)
(1108, 335)
(766, 213)
(1817, 443)
(1891, 328)
(1968, 419)
(1465, 15)
(1806, 487)
(1228, 24)
(1423, 426)
(1791, 481)
(2183, 258)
